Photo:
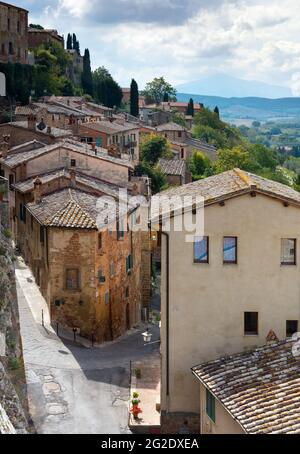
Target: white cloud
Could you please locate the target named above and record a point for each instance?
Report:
(133, 38)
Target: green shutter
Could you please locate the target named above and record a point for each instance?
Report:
(210, 406)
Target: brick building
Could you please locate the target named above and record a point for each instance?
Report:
(37, 37)
(13, 34)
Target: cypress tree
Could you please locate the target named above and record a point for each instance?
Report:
(190, 108)
(69, 42)
(87, 78)
(217, 111)
(134, 99)
(166, 97)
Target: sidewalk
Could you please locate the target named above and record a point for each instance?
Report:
(148, 388)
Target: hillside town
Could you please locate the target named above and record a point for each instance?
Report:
(111, 321)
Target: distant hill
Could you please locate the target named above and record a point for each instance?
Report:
(227, 86)
(254, 108)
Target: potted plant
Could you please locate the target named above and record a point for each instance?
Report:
(136, 411)
(135, 400)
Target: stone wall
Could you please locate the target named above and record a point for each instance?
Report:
(174, 423)
(13, 397)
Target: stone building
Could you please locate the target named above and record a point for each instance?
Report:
(88, 273)
(75, 68)
(176, 171)
(21, 132)
(37, 37)
(226, 290)
(13, 34)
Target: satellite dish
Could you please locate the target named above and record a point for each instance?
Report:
(2, 85)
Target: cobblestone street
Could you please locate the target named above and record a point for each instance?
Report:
(73, 389)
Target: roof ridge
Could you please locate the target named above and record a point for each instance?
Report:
(61, 211)
(245, 177)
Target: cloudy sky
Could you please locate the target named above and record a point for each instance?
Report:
(182, 39)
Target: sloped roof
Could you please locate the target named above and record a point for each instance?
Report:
(260, 389)
(72, 216)
(173, 167)
(108, 127)
(225, 186)
(170, 127)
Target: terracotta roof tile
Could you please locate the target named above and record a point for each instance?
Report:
(260, 389)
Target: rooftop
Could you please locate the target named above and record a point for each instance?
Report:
(173, 167)
(260, 388)
(55, 132)
(170, 127)
(8, 5)
(231, 184)
(110, 127)
(20, 156)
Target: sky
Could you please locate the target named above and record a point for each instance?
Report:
(182, 40)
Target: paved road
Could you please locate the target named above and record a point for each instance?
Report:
(72, 389)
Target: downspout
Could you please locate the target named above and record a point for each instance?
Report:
(167, 312)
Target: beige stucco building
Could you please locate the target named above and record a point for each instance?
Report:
(226, 295)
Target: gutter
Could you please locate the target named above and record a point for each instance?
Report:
(167, 313)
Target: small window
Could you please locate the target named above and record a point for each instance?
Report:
(127, 292)
(291, 327)
(251, 323)
(101, 276)
(111, 269)
(107, 298)
(120, 230)
(288, 251)
(10, 48)
(230, 250)
(73, 162)
(11, 180)
(72, 279)
(210, 406)
(129, 263)
(180, 134)
(201, 250)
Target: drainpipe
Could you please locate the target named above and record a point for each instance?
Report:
(167, 312)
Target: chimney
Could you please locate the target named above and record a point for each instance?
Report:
(5, 146)
(49, 130)
(31, 122)
(37, 192)
(72, 178)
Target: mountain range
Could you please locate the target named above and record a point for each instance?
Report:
(223, 85)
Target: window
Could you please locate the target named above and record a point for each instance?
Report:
(182, 153)
(72, 279)
(3, 49)
(127, 292)
(73, 162)
(107, 298)
(291, 327)
(230, 250)
(111, 269)
(8, 24)
(11, 180)
(101, 277)
(251, 323)
(201, 250)
(288, 251)
(10, 48)
(120, 230)
(210, 406)
(180, 134)
(129, 263)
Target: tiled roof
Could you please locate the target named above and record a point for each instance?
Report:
(75, 208)
(170, 127)
(55, 132)
(110, 127)
(97, 185)
(69, 208)
(207, 148)
(17, 158)
(260, 389)
(173, 167)
(227, 185)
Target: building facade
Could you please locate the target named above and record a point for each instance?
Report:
(37, 38)
(13, 34)
(226, 290)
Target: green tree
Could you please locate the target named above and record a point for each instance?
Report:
(191, 108)
(158, 179)
(106, 89)
(178, 118)
(166, 97)
(157, 90)
(75, 44)
(134, 99)
(36, 26)
(230, 158)
(217, 111)
(87, 77)
(69, 42)
(265, 157)
(198, 164)
(153, 148)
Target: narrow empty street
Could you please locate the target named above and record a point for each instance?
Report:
(73, 389)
